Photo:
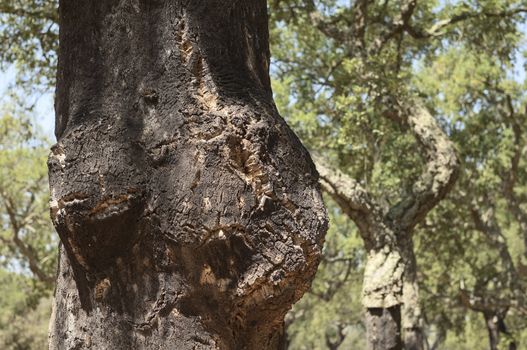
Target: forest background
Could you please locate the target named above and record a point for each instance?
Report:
(338, 69)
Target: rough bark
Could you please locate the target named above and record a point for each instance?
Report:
(189, 213)
(383, 274)
(390, 277)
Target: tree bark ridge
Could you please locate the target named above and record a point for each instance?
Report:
(189, 213)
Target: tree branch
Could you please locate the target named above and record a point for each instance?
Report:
(486, 224)
(436, 29)
(341, 336)
(334, 283)
(354, 200)
(328, 27)
(24, 249)
(511, 174)
(397, 27)
(440, 172)
(27, 251)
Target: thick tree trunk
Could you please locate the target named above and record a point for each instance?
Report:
(189, 213)
(382, 291)
(391, 295)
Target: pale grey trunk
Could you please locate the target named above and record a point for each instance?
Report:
(382, 294)
(391, 288)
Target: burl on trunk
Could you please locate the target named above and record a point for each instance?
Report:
(190, 215)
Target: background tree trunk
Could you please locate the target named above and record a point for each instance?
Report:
(189, 213)
(491, 321)
(495, 322)
(411, 316)
(390, 274)
(381, 295)
(383, 328)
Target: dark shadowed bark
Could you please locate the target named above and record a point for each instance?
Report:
(189, 213)
(390, 290)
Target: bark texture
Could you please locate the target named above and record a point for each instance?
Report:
(189, 213)
(383, 330)
(390, 277)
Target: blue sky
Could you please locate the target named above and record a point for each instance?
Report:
(44, 113)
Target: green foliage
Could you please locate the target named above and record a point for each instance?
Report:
(29, 39)
(333, 81)
(24, 317)
(485, 109)
(28, 242)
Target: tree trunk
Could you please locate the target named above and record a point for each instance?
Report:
(491, 321)
(411, 318)
(383, 328)
(382, 292)
(495, 323)
(190, 215)
(390, 275)
(390, 293)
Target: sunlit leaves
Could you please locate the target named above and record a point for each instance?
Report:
(459, 58)
(29, 39)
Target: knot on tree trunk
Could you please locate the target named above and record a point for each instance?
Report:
(190, 214)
